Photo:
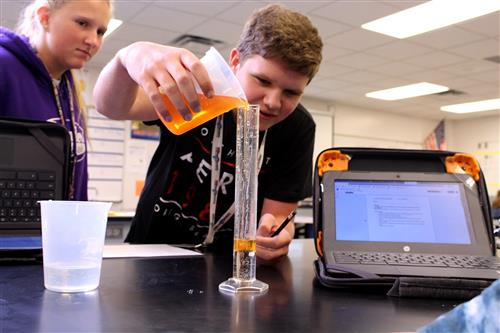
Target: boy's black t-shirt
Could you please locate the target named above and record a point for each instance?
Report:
(174, 204)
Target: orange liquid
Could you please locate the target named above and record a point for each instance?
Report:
(247, 245)
(210, 108)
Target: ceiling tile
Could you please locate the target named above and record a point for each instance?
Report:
(302, 6)
(358, 89)
(390, 82)
(488, 25)
(435, 59)
(135, 32)
(450, 100)
(220, 30)
(332, 52)
(167, 19)
(458, 83)
(327, 27)
(488, 76)
(207, 8)
(127, 10)
(478, 50)
(355, 13)
(329, 83)
(319, 94)
(402, 5)
(337, 95)
(396, 69)
(469, 67)
(358, 39)
(360, 60)
(240, 12)
(332, 70)
(446, 37)
(362, 77)
(432, 76)
(398, 50)
(312, 90)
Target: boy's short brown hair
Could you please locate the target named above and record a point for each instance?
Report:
(275, 32)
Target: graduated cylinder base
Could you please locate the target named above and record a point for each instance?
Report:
(234, 286)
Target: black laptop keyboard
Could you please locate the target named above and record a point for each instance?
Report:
(19, 193)
(416, 259)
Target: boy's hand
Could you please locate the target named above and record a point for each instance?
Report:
(271, 249)
(167, 70)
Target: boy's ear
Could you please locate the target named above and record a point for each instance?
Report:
(234, 59)
(43, 14)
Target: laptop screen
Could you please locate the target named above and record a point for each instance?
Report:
(401, 211)
(380, 211)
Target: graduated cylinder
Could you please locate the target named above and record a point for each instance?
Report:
(245, 218)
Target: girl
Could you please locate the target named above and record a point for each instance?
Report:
(36, 82)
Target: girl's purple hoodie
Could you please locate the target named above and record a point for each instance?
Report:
(26, 91)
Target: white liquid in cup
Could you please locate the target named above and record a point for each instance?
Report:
(73, 235)
(63, 278)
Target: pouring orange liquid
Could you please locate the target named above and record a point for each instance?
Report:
(210, 108)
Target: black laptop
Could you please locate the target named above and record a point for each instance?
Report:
(34, 164)
(406, 224)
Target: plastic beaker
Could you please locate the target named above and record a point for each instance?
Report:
(228, 95)
(72, 241)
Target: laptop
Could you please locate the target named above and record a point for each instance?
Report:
(34, 159)
(406, 224)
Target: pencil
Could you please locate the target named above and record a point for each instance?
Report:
(284, 223)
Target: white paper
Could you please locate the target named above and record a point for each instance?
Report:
(145, 250)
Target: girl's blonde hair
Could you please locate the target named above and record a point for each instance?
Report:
(28, 23)
(30, 26)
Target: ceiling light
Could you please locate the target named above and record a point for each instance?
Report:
(112, 26)
(486, 105)
(430, 16)
(411, 90)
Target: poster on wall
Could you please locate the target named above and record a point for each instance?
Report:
(436, 140)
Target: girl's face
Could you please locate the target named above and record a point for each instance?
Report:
(72, 34)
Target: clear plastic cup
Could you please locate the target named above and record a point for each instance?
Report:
(72, 240)
(228, 95)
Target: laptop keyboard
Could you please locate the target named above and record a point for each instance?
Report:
(416, 259)
(19, 193)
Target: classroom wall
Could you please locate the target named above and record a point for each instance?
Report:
(479, 137)
(337, 125)
(372, 128)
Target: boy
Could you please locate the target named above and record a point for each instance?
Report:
(278, 55)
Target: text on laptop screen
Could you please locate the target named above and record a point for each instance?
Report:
(401, 211)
